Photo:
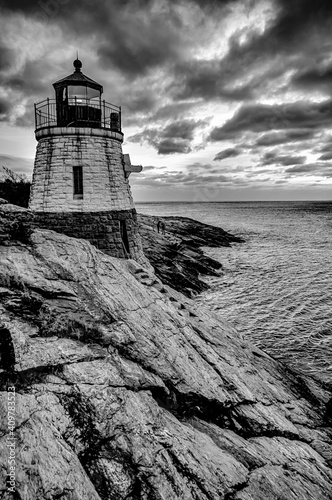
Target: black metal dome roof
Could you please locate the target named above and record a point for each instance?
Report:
(78, 78)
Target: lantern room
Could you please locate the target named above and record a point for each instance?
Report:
(78, 100)
(78, 103)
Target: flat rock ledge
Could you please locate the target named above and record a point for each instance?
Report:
(126, 390)
(177, 257)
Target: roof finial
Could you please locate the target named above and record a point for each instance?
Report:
(77, 64)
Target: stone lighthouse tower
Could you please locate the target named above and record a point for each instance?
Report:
(80, 181)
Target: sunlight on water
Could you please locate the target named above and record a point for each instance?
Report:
(277, 287)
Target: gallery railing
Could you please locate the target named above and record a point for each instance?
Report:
(75, 112)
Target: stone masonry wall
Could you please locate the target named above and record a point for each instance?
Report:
(105, 186)
(102, 229)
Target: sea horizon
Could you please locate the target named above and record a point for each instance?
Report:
(235, 201)
(275, 288)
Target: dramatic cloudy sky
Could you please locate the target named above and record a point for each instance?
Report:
(221, 99)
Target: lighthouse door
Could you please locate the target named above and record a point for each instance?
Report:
(124, 236)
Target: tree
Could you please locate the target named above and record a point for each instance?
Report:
(15, 188)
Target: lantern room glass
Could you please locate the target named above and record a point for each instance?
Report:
(82, 93)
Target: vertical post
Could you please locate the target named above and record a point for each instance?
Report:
(120, 119)
(104, 112)
(48, 111)
(36, 125)
(75, 111)
(101, 118)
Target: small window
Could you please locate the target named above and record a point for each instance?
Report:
(78, 183)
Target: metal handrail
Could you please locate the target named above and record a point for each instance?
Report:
(48, 113)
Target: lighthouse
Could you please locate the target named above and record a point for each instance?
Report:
(80, 183)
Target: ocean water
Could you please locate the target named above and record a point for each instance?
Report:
(276, 288)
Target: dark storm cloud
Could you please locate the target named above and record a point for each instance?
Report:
(314, 79)
(189, 179)
(259, 171)
(129, 38)
(281, 182)
(137, 39)
(4, 109)
(176, 137)
(183, 129)
(131, 41)
(25, 6)
(259, 118)
(207, 80)
(151, 113)
(274, 158)
(30, 78)
(227, 153)
(212, 4)
(140, 103)
(297, 22)
(30, 81)
(290, 160)
(132, 37)
(56, 7)
(319, 169)
(291, 31)
(297, 15)
(172, 146)
(325, 145)
(298, 35)
(142, 48)
(173, 110)
(326, 156)
(274, 138)
(194, 175)
(6, 57)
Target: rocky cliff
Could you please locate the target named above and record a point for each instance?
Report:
(176, 254)
(125, 390)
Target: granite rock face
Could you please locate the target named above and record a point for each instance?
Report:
(125, 390)
(176, 255)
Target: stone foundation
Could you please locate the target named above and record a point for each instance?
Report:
(101, 229)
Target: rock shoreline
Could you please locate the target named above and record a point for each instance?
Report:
(177, 256)
(126, 390)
